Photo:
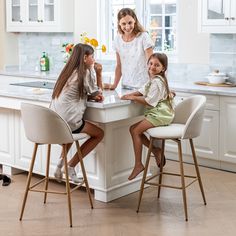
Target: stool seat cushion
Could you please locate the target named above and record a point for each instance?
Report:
(80, 136)
(164, 132)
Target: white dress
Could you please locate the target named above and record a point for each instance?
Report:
(68, 105)
(133, 60)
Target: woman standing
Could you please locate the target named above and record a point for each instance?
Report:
(133, 47)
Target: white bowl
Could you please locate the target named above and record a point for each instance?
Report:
(217, 74)
(216, 79)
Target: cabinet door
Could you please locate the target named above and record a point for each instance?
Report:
(34, 15)
(233, 12)
(39, 15)
(215, 12)
(41, 12)
(15, 12)
(49, 9)
(228, 129)
(24, 148)
(207, 144)
(7, 137)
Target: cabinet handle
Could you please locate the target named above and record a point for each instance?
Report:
(226, 18)
(41, 20)
(232, 18)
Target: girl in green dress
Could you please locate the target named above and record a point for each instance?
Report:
(157, 98)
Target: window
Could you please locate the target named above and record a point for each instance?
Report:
(162, 24)
(157, 16)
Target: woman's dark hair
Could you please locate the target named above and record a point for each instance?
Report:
(75, 63)
(163, 59)
(138, 28)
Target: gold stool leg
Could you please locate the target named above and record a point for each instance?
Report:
(67, 183)
(197, 170)
(84, 173)
(47, 172)
(145, 173)
(161, 167)
(29, 180)
(182, 179)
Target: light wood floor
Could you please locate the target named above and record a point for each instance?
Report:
(156, 217)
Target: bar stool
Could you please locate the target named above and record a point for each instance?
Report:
(44, 126)
(186, 125)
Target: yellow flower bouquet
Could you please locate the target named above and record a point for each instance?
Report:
(92, 42)
(68, 47)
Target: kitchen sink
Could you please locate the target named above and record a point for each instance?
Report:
(37, 84)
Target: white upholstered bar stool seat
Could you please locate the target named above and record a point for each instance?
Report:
(44, 126)
(186, 125)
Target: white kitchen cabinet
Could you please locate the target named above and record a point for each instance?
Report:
(39, 15)
(217, 16)
(227, 132)
(7, 137)
(24, 148)
(207, 144)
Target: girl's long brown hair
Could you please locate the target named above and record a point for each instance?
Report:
(163, 59)
(138, 28)
(75, 63)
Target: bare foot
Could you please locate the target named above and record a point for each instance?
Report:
(157, 155)
(136, 171)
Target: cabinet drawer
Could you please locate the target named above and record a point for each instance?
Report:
(212, 101)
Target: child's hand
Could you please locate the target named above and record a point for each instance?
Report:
(98, 68)
(98, 98)
(172, 93)
(109, 86)
(126, 97)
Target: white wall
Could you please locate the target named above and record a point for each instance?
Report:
(85, 18)
(193, 46)
(8, 42)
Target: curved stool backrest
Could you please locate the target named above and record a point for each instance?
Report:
(194, 123)
(190, 112)
(44, 126)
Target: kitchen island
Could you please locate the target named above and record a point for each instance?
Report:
(108, 166)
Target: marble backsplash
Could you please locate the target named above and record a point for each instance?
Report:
(32, 45)
(222, 53)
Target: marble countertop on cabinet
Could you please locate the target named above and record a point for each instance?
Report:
(190, 87)
(112, 98)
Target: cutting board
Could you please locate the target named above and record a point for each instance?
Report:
(215, 85)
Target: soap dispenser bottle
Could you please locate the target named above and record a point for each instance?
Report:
(44, 62)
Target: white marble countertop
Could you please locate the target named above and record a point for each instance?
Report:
(30, 74)
(112, 98)
(190, 87)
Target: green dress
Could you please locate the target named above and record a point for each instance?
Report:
(162, 113)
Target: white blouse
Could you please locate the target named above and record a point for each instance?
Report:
(154, 91)
(68, 105)
(133, 60)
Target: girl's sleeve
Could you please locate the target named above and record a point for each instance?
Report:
(156, 93)
(142, 89)
(147, 41)
(90, 84)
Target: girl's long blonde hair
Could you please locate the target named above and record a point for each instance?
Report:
(138, 28)
(75, 63)
(163, 59)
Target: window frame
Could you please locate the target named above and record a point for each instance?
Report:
(104, 9)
